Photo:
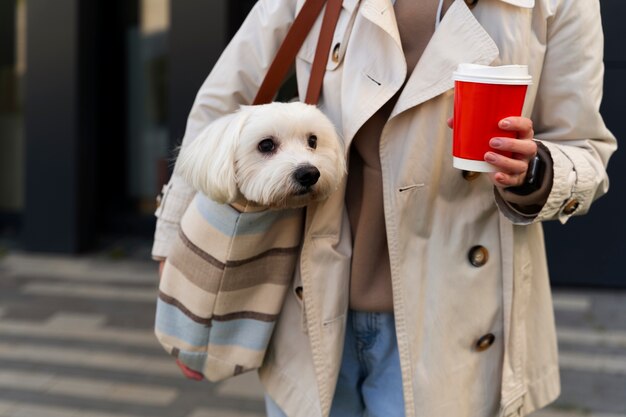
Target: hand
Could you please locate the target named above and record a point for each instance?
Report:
(189, 373)
(511, 171)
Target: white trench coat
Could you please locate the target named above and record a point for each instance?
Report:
(434, 216)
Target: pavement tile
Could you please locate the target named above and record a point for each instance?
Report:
(20, 409)
(87, 291)
(571, 302)
(123, 336)
(141, 394)
(571, 413)
(89, 359)
(43, 411)
(87, 413)
(92, 388)
(25, 380)
(75, 321)
(80, 387)
(88, 322)
(603, 364)
(614, 338)
(212, 412)
(6, 408)
(607, 312)
(84, 269)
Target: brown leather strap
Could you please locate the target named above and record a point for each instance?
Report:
(331, 16)
(288, 49)
(293, 42)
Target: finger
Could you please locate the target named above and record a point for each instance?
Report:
(450, 121)
(189, 373)
(507, 165)
(500, 179)
(523, 125)
(525, 147)
(192, 374)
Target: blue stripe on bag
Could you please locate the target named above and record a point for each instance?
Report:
(225, 218)
(221, 216)
(173, 322)
(248, 333)
(260, 222)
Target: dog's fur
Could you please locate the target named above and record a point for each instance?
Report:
(225, 161)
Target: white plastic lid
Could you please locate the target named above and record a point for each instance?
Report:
(505, 74)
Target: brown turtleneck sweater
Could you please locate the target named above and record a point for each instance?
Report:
(370, 280)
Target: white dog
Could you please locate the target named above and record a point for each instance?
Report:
(276, 155)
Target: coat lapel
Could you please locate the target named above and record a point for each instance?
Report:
(460, 38)
(380, 13)
(527, 4)
(370, 79)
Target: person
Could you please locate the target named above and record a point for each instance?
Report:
(422, 290)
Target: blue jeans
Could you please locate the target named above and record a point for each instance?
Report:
(370, 382)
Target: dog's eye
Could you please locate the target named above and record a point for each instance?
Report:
(267, 146)
(313, 141)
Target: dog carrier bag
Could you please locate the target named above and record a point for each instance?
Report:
(225, 280)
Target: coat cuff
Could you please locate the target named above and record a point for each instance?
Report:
(163, 238)
(524, 209)
(171, 205)
(575, 183)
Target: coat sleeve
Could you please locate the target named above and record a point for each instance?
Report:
(566, 116)
(234, 80)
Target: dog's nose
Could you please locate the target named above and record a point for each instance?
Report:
(307, 175)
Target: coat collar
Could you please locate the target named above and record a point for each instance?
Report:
(378, 12)
(527, 4)
(460, 38)
(375, 79)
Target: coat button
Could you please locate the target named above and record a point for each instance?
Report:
(571, 207)
(470, 175)
(485, 342)
(335, 56)
(478, 256)
(299, 292)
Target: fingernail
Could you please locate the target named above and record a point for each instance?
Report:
(495, 143)
(505, 123)
(490, 157)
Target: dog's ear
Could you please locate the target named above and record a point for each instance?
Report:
(208, 162)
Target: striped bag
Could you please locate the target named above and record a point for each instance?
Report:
(223, 285)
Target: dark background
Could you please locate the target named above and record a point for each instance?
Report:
(589, 249)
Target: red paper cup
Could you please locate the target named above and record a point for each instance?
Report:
(482, 97)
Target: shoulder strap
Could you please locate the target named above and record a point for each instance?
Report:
(331, 16)
(291, 45)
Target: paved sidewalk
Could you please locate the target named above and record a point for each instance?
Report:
(76, 340)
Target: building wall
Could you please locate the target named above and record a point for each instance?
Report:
(12, 68)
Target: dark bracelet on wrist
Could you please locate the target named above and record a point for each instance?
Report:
(533, 179)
